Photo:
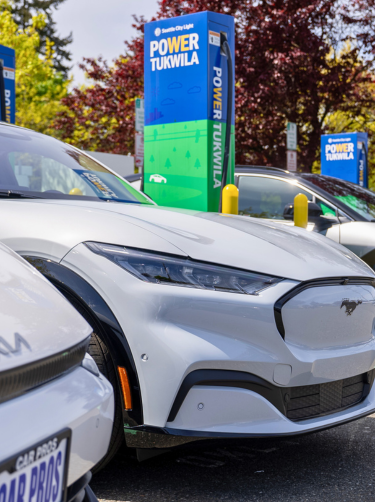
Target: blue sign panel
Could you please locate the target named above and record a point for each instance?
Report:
(8, 60)
(182, 59)
(344, 156)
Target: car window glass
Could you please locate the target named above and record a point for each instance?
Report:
(362, 207)
(353, 196)
(40, 174)
(328, 211)
(41, 165)
(263, 197)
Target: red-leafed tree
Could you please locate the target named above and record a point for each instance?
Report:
(296, 60)
(101, 117)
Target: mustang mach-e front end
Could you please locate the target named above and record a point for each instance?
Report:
(224, 351)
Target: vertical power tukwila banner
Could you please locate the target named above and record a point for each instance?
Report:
(186, 95)
(7, 62)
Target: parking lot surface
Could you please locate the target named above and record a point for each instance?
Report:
(333, 465)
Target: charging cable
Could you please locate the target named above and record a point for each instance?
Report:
(225, 50)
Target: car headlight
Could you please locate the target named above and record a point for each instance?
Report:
(167, 269)
(90, 365)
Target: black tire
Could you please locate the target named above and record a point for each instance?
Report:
(101, 355)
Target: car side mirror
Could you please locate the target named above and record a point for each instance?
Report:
(315, 211)
(288, 212)
(315, 215)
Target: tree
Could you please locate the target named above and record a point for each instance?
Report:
(289, 67)
(39, 88)
(23, 12)
(101, 117)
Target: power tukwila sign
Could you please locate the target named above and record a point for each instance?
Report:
(344, 156)
(186, 93)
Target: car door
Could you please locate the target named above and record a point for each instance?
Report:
(265, 196)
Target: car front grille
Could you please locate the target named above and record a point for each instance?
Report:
(21, 379)
(311, 401)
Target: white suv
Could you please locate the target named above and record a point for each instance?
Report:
(56, 410)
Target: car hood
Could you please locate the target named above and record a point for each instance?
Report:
(36, 320)
(51, 228)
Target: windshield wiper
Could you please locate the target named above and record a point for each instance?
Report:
(126, 201)
(12, 194)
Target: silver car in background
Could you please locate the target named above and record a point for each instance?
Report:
(343, 211)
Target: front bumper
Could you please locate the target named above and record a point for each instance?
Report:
(182, 330)
(79, 401)
(227, 412)
(148, 437)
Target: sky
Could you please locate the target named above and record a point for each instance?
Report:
(99, 27)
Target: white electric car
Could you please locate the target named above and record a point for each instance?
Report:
(56, 410)
(207, 325)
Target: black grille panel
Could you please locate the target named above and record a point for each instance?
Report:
(314, 400)
(19, 380)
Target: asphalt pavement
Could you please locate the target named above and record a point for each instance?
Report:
(333, 465)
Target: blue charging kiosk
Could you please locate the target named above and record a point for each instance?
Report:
(7, 85)
(344, 156)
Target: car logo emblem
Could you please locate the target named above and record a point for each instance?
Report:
(6, 348)
(350, 305)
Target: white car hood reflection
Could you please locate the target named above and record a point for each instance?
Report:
(246, 243)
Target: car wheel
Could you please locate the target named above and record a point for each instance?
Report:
(100, 353)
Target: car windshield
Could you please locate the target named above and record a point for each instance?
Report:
(355, 197)
(37, 165)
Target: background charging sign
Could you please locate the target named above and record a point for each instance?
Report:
(343, 156)
(7, 58)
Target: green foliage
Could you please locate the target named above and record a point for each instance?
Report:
(39, 87)
(23, 12)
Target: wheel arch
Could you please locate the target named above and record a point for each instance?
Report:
(92, 306)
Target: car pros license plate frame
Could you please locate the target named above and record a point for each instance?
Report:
(30, 471)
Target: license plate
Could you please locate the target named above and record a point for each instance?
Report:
(37, 474)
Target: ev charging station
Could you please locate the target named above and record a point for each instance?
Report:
(189, 101)
(344, 156)
(7, 84)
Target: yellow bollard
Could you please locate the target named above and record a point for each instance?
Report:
(75, 191)
(301, 211)
(230, 200)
